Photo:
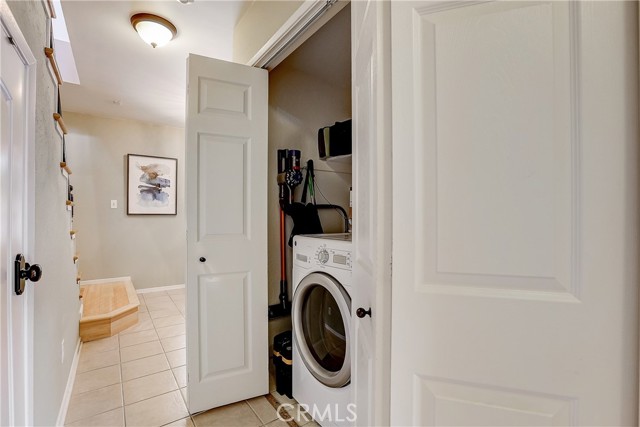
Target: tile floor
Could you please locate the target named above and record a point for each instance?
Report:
(138, 378)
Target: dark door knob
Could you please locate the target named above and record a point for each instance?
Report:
(23, 271)
(32, 272)
(203, 259)
(361, 312)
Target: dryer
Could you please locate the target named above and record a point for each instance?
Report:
(321, 316)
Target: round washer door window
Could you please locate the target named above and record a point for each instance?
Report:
(322, 323)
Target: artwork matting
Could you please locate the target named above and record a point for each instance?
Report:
(151, 185)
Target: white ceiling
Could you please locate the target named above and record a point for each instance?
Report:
(115, 65)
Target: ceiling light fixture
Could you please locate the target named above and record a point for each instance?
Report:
(153, 29)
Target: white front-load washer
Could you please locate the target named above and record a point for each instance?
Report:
(321, 316)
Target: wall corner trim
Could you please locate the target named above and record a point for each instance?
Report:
(159, 289)
(64, 405)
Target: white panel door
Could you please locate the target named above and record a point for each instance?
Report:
(226, 134)
(515, 222)
(370, 35)
(17, 112)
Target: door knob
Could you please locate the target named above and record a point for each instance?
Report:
(203, 259)
(23, 271)
(361, 312)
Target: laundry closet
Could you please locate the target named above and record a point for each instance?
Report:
(308, 90)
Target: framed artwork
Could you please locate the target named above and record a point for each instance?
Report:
(151, 185)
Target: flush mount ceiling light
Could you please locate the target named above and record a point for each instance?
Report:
(153, 29)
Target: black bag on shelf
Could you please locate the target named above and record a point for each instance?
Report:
(335, 140)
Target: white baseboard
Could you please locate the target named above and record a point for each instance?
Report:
(103, 281)
(64, 406)
(159, 289)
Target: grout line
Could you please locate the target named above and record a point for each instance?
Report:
(118, 349)
(99, 413)
(155, 328)
(124, 410)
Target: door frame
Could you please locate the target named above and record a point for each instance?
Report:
(8, 21)
(302, 24)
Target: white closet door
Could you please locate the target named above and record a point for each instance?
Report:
(515, 222)
(226, 134)
(370, 34)
(17, 158)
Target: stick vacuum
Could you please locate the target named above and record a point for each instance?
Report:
(289, 176)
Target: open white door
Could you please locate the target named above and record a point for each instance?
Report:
(17, 113)
(515, 185)
(370, 35)
(226, 173)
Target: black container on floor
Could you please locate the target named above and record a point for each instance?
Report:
(282, 355)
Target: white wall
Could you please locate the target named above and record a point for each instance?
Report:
(149, 248)
(56, 295)
(308, 90)
(258, 24)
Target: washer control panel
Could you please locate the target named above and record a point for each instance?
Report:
(333, 257)
(322, 256)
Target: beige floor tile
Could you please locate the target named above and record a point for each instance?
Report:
(157, 411)
(177, 357)
(170, 331)
(183, 391)
(94, 402)
(173, 343)
(138, 338)
(89, 362)
(99, 346)
(164, 313)
(161, 322)
(173, 292)
(263, 409)
(113, 418)
(146, 366)
(178, 298)
(142, 325)
(236, 414)
(142, 308)
(181, 306)
(281, 398)
(158, 300)
(181, 376)
(154, 295)
(185, 422)
(139, 351)
(98, 378)
(157, 305)
(149, 386)
(302, 417)
(277, 423)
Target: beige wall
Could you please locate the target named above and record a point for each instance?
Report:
(301, 100)
(56, 295)
(258, 24)
(149, 248)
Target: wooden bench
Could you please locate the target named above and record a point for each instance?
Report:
(110, 306)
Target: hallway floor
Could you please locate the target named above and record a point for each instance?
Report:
(138, 378)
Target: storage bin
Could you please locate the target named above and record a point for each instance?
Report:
(282, 360)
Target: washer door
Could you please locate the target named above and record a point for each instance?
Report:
(321, 323)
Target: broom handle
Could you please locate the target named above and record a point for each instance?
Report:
(283, 259)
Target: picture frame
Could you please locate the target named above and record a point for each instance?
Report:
(152, 185)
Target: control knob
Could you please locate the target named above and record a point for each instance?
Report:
(323, 256)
